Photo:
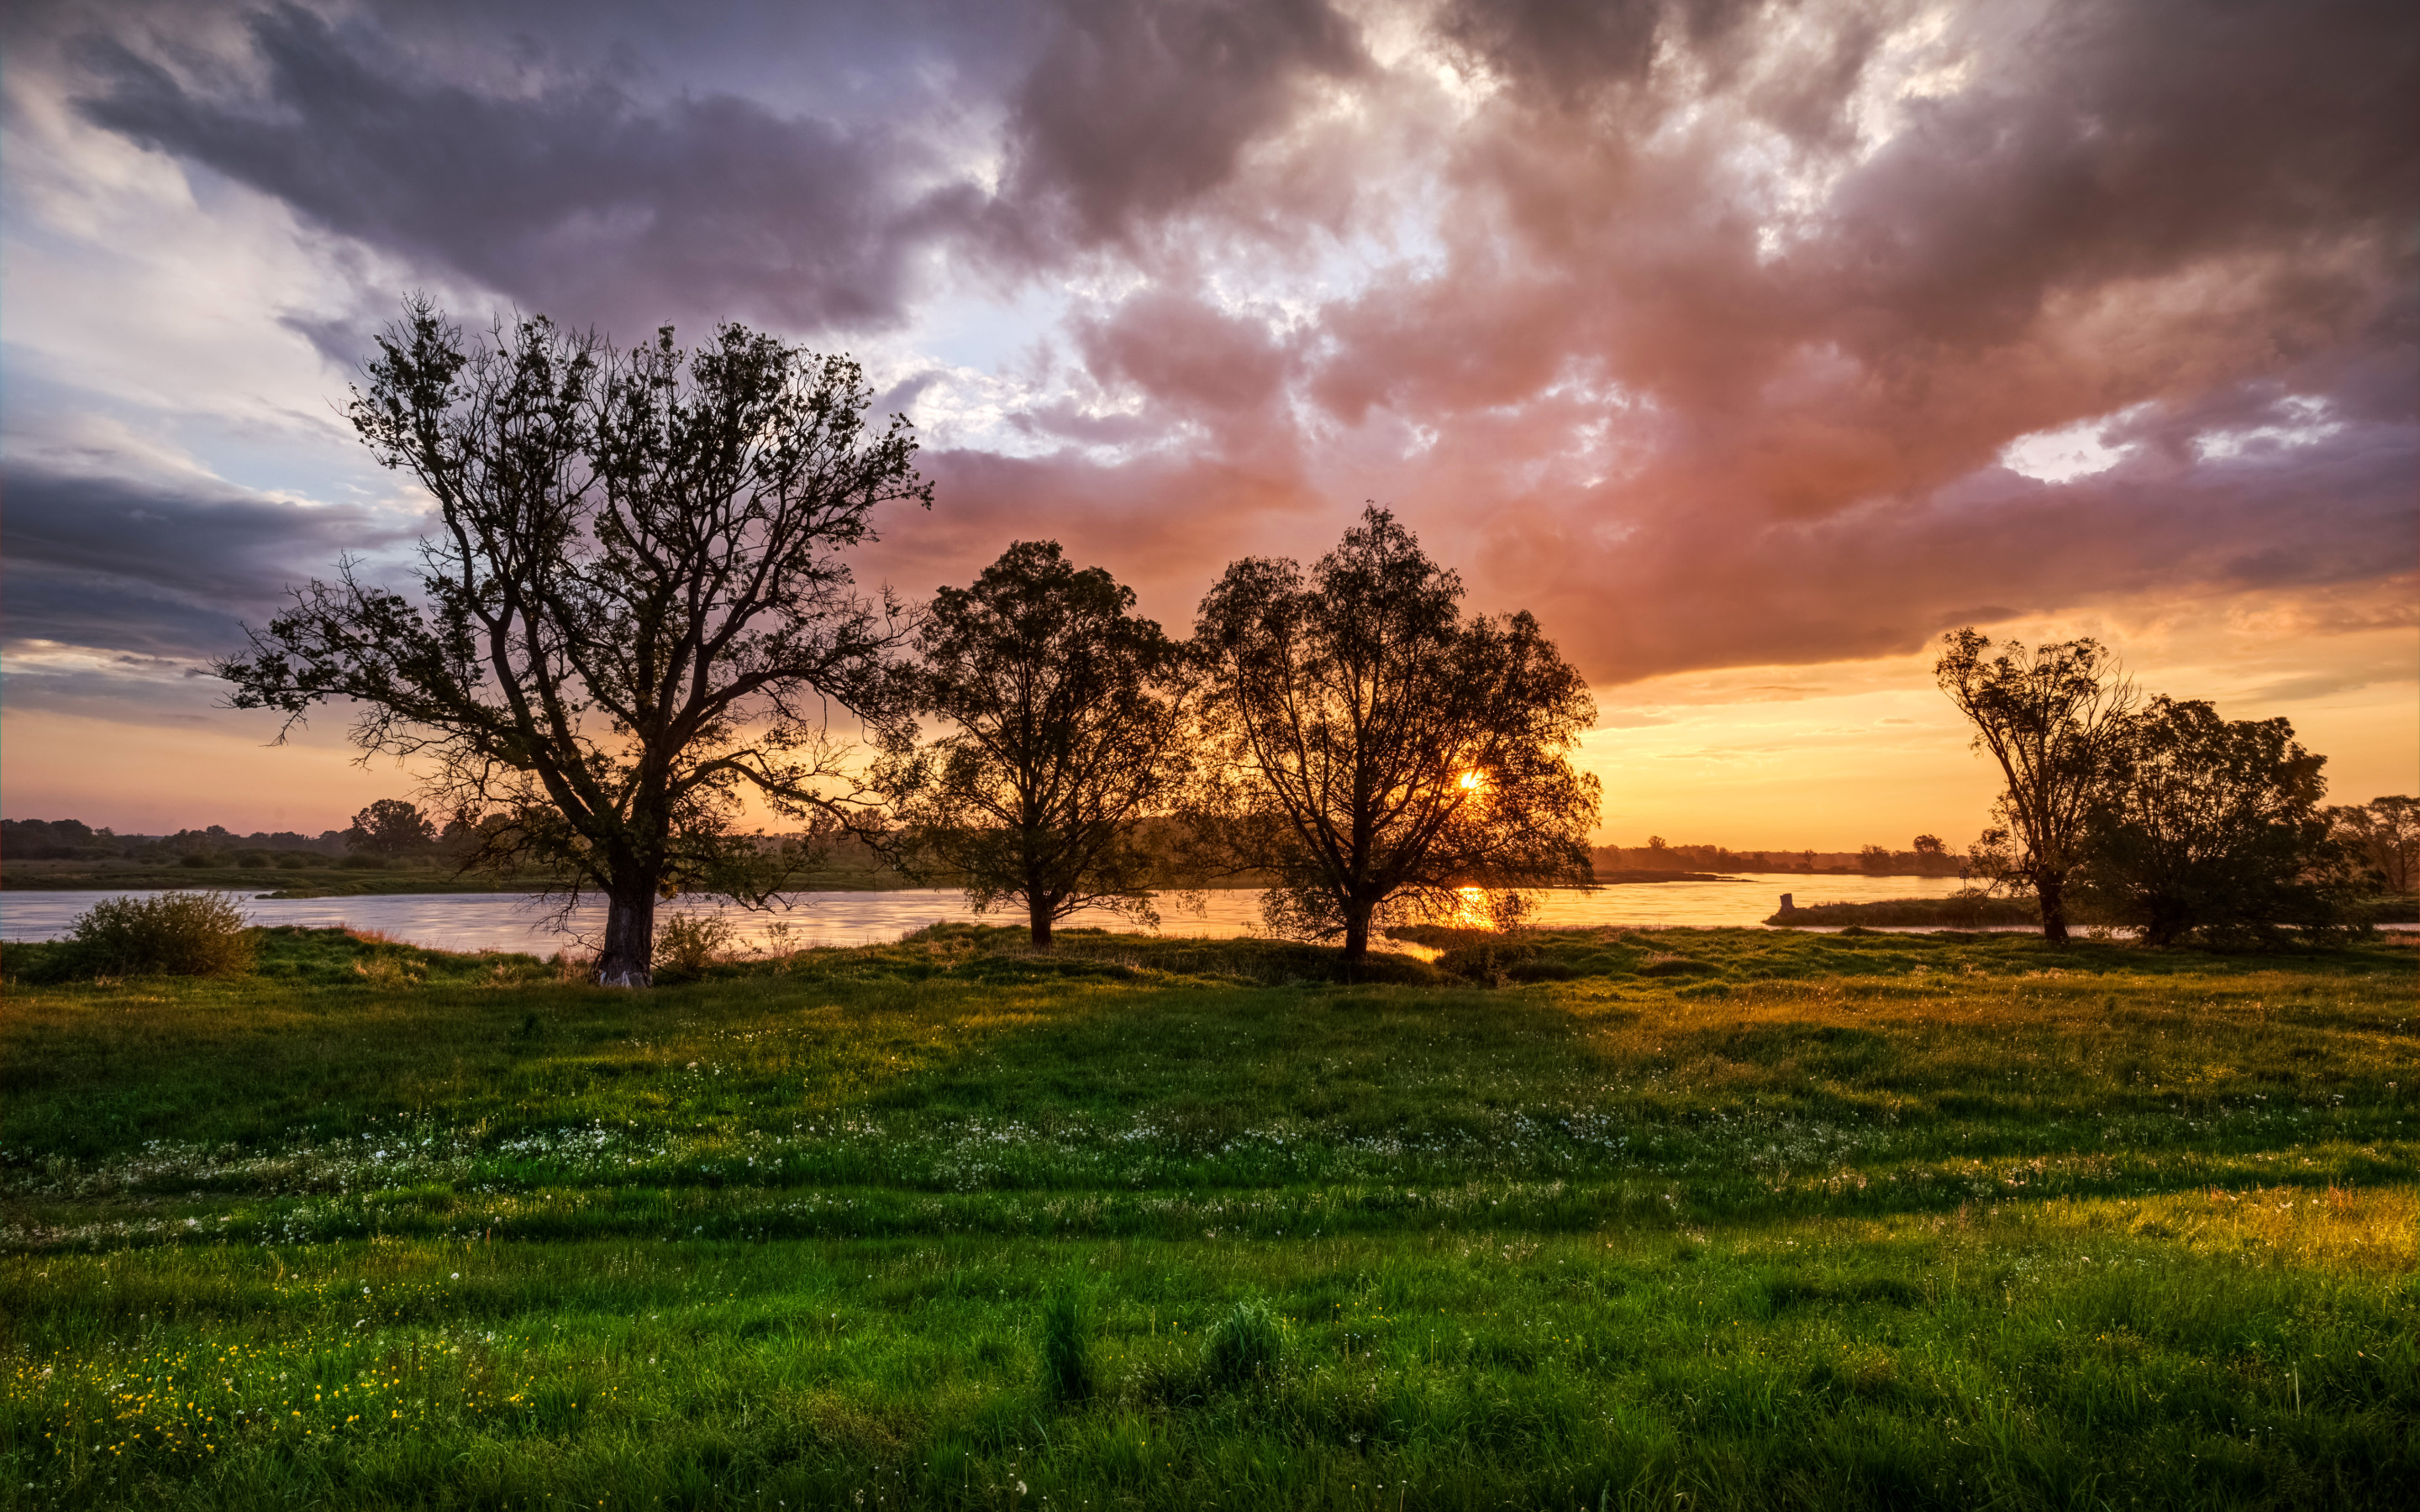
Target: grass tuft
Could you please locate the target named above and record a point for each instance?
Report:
(1070, 1373)
(1245, 1348)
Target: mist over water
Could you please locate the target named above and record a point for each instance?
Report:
(505, 921)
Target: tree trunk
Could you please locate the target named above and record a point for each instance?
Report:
(2051, 887)
(1357, 932)
(2165, 922)
(629, 954)
(1037, 914)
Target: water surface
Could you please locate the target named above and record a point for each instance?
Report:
(507, 922)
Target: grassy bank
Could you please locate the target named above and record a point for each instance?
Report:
(1745, 1218)
(1980, 912)
(1973, 912)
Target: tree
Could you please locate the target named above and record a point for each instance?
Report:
(1375, 751)
(2211, 825)
(391, 827)
(2382, 837)
(632, 611)
(1064, 732)
(2052, 718)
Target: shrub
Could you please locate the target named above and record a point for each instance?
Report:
(1068, 1374)
(363, 861)
(687, 944)
(196, 860)
(175, 933)
(293, 861)
(1245, 1348)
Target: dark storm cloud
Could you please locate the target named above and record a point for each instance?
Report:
(575, 198)
(1139, 106)
(1576, 49)
(1659, 336)
(2182, 212)
(156, 570)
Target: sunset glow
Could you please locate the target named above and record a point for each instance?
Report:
(1747, 347)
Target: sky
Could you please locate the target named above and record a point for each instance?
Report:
(1749, 346)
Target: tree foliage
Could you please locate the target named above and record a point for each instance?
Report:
(391, 827)
(1377, 753)
(2211, 827)
(2052, 717)
(1063, 731)
(633, 611)
(2383, 839)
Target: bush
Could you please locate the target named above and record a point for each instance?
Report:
(175, 933)
(1068, 1374)
(293, 861)
(687, 944)
(196, 860)
(1245, 1349)
(360, 861)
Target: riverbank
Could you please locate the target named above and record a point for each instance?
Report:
(1979, 911)
(1758, 1217)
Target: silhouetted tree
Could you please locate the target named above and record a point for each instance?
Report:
(2052, 718)
(1063, 731)
(2211, 825)
(632, 611)
(1377, 752)
(2382, 837)
(391, 827)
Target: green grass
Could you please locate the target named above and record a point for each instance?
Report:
(1729, 1217)
(1920, 913)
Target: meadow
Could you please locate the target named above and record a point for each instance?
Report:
(1589, 1219)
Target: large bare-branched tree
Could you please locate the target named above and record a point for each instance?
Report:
(1379, 751)
(2055, 717)
(632, 612)
(1063, 734)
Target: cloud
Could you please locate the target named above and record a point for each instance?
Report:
(1139, 107)
(574, 197)
(1703, 329)
(161, 571)
(1724, 393)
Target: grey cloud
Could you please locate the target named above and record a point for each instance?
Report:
(158, 571)
(1139, 106)
(1576, 49)
(2149, 134)
(575, 198)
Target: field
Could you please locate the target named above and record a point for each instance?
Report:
(1703, 1218)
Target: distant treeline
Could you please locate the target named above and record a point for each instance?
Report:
(1927, 857)
(72, 839)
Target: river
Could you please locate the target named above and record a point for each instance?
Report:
(506, 921)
